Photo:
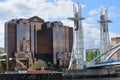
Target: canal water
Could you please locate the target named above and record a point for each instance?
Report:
(49, 77)
(96, 79)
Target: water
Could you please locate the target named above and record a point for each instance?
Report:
(96, 79)
(47, 77)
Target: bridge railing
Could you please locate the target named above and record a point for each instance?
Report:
(112, 51)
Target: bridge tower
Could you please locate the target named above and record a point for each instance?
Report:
(77, 56)
(104, 33)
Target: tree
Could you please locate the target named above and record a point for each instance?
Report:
(0, 65)
(39, 64)
(1, 57)
(90, 56)
(1, 50)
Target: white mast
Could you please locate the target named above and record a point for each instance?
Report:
(77, 56)
(104, 33)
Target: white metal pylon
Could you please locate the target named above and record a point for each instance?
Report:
(77, 56)
(104, 33)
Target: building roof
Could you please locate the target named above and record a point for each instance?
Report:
(35, 19)
(115, 38)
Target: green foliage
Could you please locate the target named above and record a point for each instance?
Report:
(98, 60)
(1, 50)
(39, 64)
(0, 65)
(91, 56)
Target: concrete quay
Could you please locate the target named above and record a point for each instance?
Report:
(91, 73)
(85, 74)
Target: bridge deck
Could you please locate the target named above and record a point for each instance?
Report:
(106, 63)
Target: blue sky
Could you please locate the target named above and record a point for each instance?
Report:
(60, 10)
(98, 4)
(95, 4)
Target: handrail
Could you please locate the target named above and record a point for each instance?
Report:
(117, 45)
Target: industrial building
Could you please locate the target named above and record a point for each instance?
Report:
(113, 42)
(56, 42)
(27, 40)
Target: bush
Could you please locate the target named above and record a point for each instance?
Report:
(39, 64)
(0, 65)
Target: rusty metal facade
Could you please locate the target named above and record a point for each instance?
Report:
(56, 42)
(33, 39)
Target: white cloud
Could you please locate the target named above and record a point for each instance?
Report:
(93, 12)
(91, 35)
(68, 23)
(1, 34)
(1, 40)
(113, 12)
(92, 27)
(54, 9)
(11, 9)
(112, 35)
